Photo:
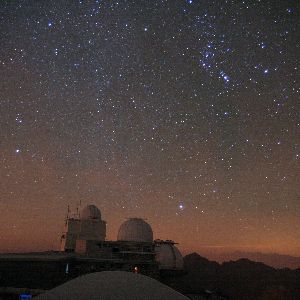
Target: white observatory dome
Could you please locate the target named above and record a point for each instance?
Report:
(168, 256)
(136, 230)
(90, 212)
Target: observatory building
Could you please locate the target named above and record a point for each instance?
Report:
(84, 249)
(85, 234)
(88, 225)
(135, 230)
(168, 256)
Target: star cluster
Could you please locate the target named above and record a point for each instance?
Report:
(182, 112)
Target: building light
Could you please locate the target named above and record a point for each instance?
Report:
(67, 269)
(25, 296)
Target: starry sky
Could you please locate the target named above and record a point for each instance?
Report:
(185, 113)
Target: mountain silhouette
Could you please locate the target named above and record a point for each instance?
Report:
(275, 260)
(242, 279)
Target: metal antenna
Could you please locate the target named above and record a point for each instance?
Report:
(79, 207)
(68, 212)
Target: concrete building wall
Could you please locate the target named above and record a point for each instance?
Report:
(90, 229)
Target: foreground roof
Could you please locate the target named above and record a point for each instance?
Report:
(112, 285)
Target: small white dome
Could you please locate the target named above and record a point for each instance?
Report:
(168, 256)
(136, 230)
(90, 212)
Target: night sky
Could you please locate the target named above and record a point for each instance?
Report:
(185, 113)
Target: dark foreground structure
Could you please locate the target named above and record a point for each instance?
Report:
(112, 285)
(42, 271)
(47, 270)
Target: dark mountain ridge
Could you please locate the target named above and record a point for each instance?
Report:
(275, 260)
(242, 279)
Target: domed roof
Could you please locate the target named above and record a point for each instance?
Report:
(113, 285)
(90, 212)
(168, 256)
(136, 230)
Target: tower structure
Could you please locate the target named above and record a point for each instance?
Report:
(87, 226)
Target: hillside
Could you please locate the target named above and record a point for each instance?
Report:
(241, 279)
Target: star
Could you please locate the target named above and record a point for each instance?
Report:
(152, 110)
